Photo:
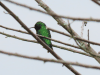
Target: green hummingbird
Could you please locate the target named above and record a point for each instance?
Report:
(41, 29)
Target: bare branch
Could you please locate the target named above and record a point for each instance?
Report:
(50, 60)
(14, 29)
(95, 1)
(88, 38)
(67, 17)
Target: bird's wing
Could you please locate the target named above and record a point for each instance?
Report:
(49, 35)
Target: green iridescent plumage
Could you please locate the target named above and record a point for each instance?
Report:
(40, 28)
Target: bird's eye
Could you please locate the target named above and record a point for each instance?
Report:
(37, 27)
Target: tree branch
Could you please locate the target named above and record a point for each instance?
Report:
(67, 17)
(50, 60)
(95, 1)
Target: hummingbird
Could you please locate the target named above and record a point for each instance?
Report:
(41, 29)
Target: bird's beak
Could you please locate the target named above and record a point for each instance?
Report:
(31, 27)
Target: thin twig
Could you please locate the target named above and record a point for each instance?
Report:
(67, 17)
(88, 38)
(50, 60)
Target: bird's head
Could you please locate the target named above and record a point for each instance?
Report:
(39, 25)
